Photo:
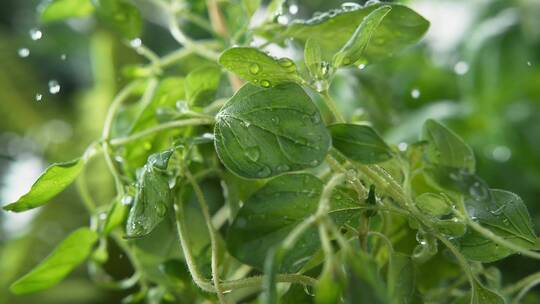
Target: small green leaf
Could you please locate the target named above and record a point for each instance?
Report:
(53, 181)
(353, 50)
(433, 204)
(259, 68)
(364, 283)
(312, 57)
(505, 214)
(201, 85)
(69, 254)
(481, 295)
(446, 148)
(360, 143)
(153, 197)
(121, 16)
(58, 10)
(260, 132)
(271, 214)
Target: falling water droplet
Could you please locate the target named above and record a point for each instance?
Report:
(293, 9)
(253, 153)
(254, 68)
(461, 68)
(23, 52)
(54, 87)
(415, 93)
(35, 34)
(39, 97)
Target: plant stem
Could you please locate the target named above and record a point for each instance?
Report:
(213, 234)
(522, 283)
(161, 127)
(461, 259)
(106, 134)
(184, 40)
(330, 103)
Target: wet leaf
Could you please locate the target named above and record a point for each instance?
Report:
(260, 132)
(360, 143)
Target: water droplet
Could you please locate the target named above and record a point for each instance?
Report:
(314, 163)
(265, 83)
(529, 63)
(63, 57)
(35, 34)
(208, 136)
(245, 124)
(361, 66)
(135, 43)
(461, 68)
(102, 216)
(127, 200)
(478, 191)
(182, 106)
(275, 120)
(321, 85)
(264, 172)
(254, 68)
(372, 2)
(39, 97)
(286, 63)
(253, 153)
(282, 168)
(54, 87)
(501, 153)
(282, 19)
(293, 9)
(315, 118)
(402, 146)
(415, 93)
(350, 6)
(23, 52)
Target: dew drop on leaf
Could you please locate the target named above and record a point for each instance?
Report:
(282, 168)
(264, 172)
(349, 6)
(253, 153)
(254, 68)
(265, 83)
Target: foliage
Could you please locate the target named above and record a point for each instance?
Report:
(224, 187)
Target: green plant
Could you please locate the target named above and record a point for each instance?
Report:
(286, 197)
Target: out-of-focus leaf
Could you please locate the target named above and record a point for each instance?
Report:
(53, 181)
(120, 15)
(201, 85)
(58, 10)
(364, 283)
(69, 254)
(432, 204)
(401, 278)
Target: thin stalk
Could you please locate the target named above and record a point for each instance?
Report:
(521, 283)
(460, 258)
(213, 235)
(184, 40)
(161, 127)
(331, 104)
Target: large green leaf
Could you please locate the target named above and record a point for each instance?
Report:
(271, 214)
(331, 30)
(360, 143)
(64, 9)
(68, 255)
(121, 16)
(258, 67)
(53, 181)
(260, 132)
(505, 214)
(153, 197)
(446, 148)
(353, 50)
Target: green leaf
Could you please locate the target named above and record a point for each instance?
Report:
(364, 283)
(201, 85)
(360, 143)
(54, 180)
(317, 68)
(446, 148)
(353, 50)
(258, 67)
(401, 278)
(115, 216)
(153, 196)
(331, 30)
(268, 216)
(64, 9)
(69, 254)
(121, 16)
(505, 214)
(296, 295)
(260, 132)
(481, 295)
(433, 204)
(251, 6)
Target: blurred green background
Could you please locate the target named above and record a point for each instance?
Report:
(477, 69)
